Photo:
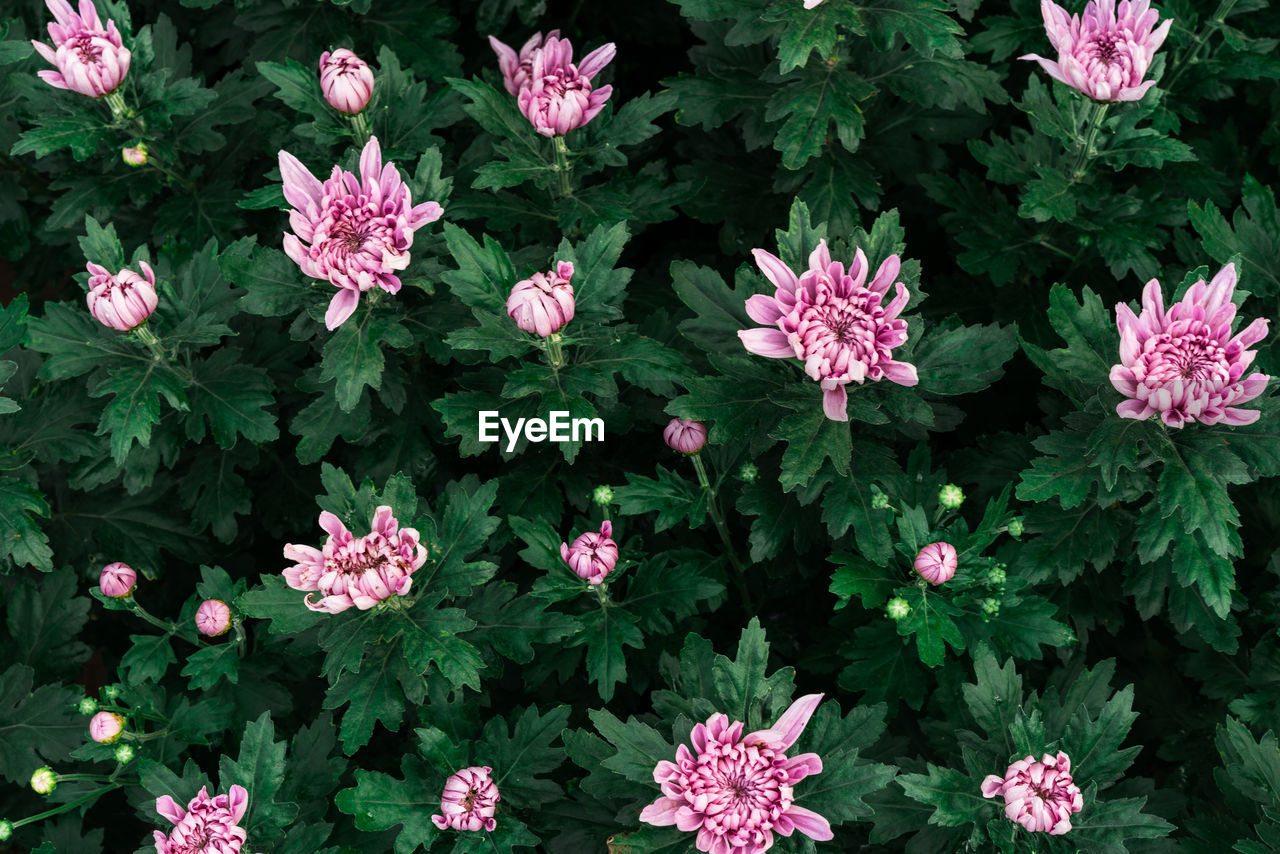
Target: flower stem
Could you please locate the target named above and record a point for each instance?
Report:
(119, 110)
(1087, 153)
(713, 510)
(555, 355)
(69, 805)
(170, 629)
(562, 166)
(361, 127)
(147, 337)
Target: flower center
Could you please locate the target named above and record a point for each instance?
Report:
(1194, 357)
(1106, 48)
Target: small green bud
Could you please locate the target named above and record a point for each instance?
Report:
(87, 706)
(991, 607)
(603, 495)
(1015, 527)
(951, 496)
(6, 830)
(124, 754)
(997, 574)
(111, 692)
(898, 609)
(748, 472)
(879, 501)
(43, 780)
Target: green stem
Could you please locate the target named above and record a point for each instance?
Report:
(119, 109)
(361, 126)
(83, 778)
(1193, 52)
(147, 337)
(69, 805)
(713, 509)
(1086, 151)
(555, 355)
(170, 629)
(562, 166)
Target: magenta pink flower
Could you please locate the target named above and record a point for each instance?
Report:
(124, 300)
(207, 826)
(469, 800)
(1183, 364)
(831, 322)
(360, 572)
(517, 69)
(685, 436)
(346, 81)
(117, 580)
(1103, 55)
(936, 562)
(105, 727)
(1038, 795)
(213, 618)
(592, 556)
(737, 791)
(558, 96)
(90, 60)
(543, 303)
(352, 231)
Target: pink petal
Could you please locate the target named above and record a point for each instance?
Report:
(810, 823)
(341, 307)
(835, 403)
(771, 343)
(775, 271)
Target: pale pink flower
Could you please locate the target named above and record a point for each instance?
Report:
(1183, 364)
(558, 96)
(124, 300)
(90, 60)
(518, 68)
(812, 4)
(135, 156)
(356, 571)
(685, 436)
(592, 556)
(213, 618)
(352, 231)
(207, 826)
(469, 800)
(1038, 795)
(346, 81)
(105, 727)
(936, 562)
(1103, 55)
(543, 303)
(117, 580)
(737, 791)
(833, 321)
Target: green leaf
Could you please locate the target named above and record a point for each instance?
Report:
(484, 276)
(719, 312)
(233, 397)
(206, 666)
(135, 405)
(924, 25)
(371, 695)
(279, 603)
(857, 576)
(81, 132)
(1066, 473)
(101, 245)
(1194, 484)
(599, 287)
(297, 86)
(379, 802)
(23, 542)
(735, 403)
(73, 341)
(1109, 825)
(955, 359)
(675, 499)
(353, 355)
(745, 693)
(526, 751)
(639, 746)
(995, 697)
(147, 660)
(606, 633)
(673, 583)
(430, 636)
(955, 799)
(44, 617)
(1094, 740)
(215, 493)
(322, 421)
(270, 279)
(931, 621)
(825, 94)
(811, 439)
(464, 528)
(847, 778)
(512, 624)
(1253, 234)
(38, 725)
(260, 768)
(847, 502)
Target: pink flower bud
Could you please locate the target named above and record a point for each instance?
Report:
(1040, 796)
(213, 618)
(685, 436)
(122, 301)
(559, 96)
(592, 556)
(90, 60)
(136, 156)
(117, 580)
(936, 562)
(346, 81)
(469, 800)
(543, 303)
(105, 727)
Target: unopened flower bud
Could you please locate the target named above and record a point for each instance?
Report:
(951, 496)
(87, 706)
(123, 300)
(1015, 527)
(879, 501)
(105, 727)
(117, 580)
(685, 436)
(748, 472)
(135, 156)
(543, 303)
(991, 607)
(111, 692)
(936, 563)
(346, 81)
(43, 780)
(213, 618)
(124, 754)
(997, 574)
(603, 495)
(592, 556)
(6, 830)
(898, 609)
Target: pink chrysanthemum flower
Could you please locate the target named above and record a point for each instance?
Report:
(736, 791)
(833, 321)
(346, 81)
(543, 303)
(352, 231)
(685, 436)
(1100, 53)
(936, 563)
(90, 60)
(207, 826)
(117, 580)
(518, 68)
(213, 618)
(469, 801)
(356, 571)
(558, 96)
(106, 727)
(122, 300)
(1183, 363)
(592, 556)
(1040, 796)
